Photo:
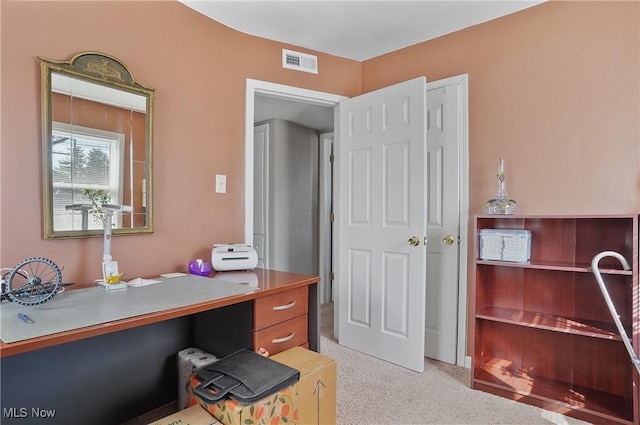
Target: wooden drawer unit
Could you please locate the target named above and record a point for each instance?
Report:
(280, 321)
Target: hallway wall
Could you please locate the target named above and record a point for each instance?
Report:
(293, 197)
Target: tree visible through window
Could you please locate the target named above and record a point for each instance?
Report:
(84, 159)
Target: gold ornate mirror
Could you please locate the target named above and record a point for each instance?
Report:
(96, 148)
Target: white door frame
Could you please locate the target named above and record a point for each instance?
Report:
(260, 244)
(326, 198)
(297, 94)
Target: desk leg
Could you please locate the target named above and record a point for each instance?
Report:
(314, 318)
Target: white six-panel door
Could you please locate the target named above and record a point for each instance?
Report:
(382, 201)
(443, 218)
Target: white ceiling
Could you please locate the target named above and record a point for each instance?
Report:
(358, 30)
(353, 29)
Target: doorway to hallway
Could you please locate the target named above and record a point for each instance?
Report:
(306, 108)
(305, 98)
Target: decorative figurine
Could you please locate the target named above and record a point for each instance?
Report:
(501, 204)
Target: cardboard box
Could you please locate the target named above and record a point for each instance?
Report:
(278, 408)
(317, 385)
(194, 415)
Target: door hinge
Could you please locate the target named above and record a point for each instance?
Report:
(331, 276)
(332, 217)
(332, 158)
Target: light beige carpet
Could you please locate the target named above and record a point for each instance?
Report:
(371, 392)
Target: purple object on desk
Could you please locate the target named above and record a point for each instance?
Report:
(203, 269)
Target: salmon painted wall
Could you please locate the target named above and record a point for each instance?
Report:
(198, 68)
(555, 91)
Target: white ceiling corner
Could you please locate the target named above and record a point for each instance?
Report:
(357, 30)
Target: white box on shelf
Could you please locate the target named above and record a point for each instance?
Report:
(505, 245)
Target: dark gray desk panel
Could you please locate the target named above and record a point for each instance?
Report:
(103, 380)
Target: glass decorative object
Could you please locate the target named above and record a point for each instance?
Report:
(501, 204)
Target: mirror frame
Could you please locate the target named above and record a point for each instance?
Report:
(104, 70)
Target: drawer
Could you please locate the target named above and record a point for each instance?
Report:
(282, 336)
(279, 307)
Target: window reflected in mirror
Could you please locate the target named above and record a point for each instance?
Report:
(97, 146)
(85, 161)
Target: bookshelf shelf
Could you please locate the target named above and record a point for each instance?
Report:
(550, 322)
(595, 406)
(580, 268)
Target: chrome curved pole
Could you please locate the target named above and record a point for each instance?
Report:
(616, 317)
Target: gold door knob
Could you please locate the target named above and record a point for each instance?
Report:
(448, 239)
(414, 241)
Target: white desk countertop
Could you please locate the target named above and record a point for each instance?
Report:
(74, 309)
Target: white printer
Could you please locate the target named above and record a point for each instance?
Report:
(225, 257)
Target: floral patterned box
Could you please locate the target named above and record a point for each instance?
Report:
(276, 409)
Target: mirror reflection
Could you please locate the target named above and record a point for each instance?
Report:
(97, 146)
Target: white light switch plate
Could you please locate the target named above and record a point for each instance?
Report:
(221, 183)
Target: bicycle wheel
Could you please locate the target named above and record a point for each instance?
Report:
(34, 281)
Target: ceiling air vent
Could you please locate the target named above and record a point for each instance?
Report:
(299, 61)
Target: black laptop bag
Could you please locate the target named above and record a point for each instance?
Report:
(244, 376)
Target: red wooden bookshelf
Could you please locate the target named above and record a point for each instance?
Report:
(542, 332)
